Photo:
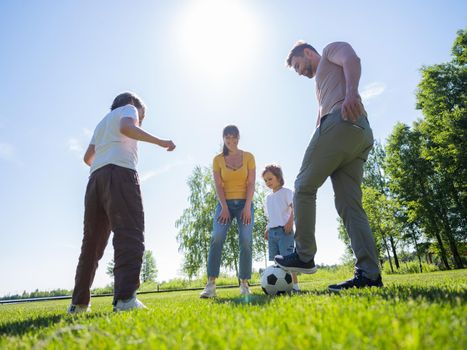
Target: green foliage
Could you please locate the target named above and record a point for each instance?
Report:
(459, 49)
(37, 294)
(109, 269)
(415, 188)
(195, 226)
(374, 174)
(410, 267)
(148, 268)
(348, 256)
(419, 311)
(427, 163)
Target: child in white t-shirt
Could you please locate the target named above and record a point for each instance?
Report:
(279, 210)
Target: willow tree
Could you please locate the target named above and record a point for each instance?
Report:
(196, 223)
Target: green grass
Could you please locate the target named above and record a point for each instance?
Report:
(418, 311)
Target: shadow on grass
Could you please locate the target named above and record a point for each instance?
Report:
(432, 294)
(262, 299)
(252, 299)
(448, 295)
(395, 292)
(18, 328)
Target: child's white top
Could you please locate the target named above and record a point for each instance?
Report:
(278, 207)
(112, 147)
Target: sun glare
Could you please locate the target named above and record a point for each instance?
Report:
(217, 38)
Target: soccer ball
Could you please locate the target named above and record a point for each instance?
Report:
(276, 281)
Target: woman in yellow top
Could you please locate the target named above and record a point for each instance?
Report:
(234, 175)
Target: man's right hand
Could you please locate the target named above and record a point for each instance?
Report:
(352, 108)
(266, 234)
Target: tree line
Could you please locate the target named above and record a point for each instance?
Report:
(415, 186)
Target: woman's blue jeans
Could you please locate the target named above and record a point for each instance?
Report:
(219, 234)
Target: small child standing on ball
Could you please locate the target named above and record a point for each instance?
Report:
(279, 210)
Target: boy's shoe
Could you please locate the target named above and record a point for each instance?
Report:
(244, 289)
(292, 263)
(296, 291)
(359, 281)
(78, 309)
(209, 291)
(128, 304)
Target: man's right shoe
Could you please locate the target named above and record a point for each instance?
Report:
(358, 281)
(78, 309)
(128, 304)
(292, 263)
(209, 291)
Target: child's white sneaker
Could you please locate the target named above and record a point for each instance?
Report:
(209, 291)
(244, 289)
(129, 304)
(78, 309)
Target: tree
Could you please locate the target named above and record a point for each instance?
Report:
(110, 268)
(348, 256)
(413, 182)
(195, 226)
(442, 97)
(148, 268)
(375, 177)
(380, 211)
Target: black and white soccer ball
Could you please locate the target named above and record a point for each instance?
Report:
(276, 281)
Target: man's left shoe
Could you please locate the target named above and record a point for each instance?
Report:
(292, 263)
(358, 281)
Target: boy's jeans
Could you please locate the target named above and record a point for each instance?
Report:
(338, 149)
(219, 235)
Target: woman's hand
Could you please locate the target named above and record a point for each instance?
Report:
(246, 215)
(224, 217)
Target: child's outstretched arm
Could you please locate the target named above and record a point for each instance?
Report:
(129, 128)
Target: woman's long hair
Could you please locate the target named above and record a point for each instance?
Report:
(231, 130)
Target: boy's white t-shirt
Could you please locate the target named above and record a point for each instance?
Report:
(112, 147)
(278, 207)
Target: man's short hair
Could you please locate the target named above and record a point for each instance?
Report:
(298, 50)
(128, 98)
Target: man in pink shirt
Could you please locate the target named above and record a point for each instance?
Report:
(339, 147)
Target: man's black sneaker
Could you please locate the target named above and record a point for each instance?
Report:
(359, 281)
(293, 263)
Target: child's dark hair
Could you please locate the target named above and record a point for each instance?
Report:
(275, 170)
(231, 130)
(127, 98)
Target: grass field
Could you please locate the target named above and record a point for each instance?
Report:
(419, 311)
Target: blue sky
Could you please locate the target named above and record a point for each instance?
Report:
(198, 65)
